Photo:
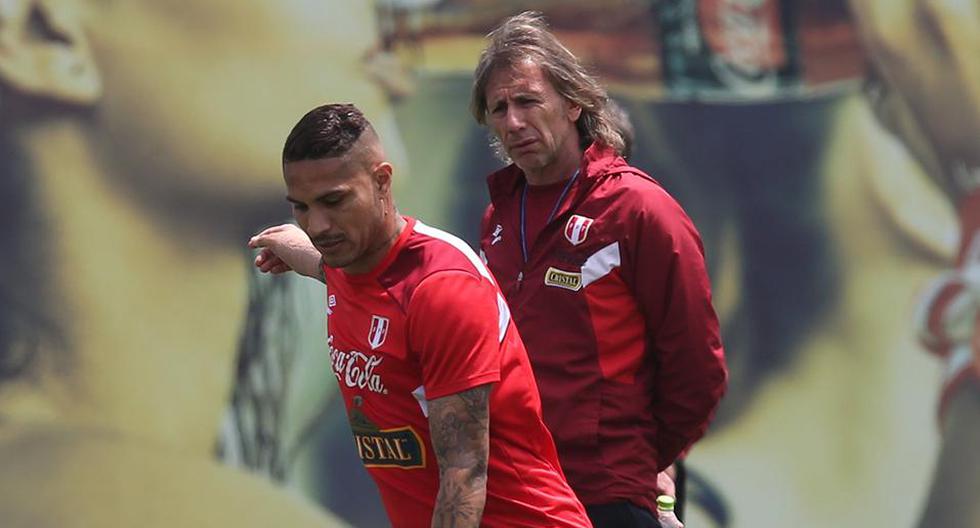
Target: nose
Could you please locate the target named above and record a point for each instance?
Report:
(318, 223)
(514, 120)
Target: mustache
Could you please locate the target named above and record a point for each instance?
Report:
(325, 240)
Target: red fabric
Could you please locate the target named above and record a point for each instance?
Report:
(428, 320)
(541, 199)
(621, 346)
(630, 365)
(458, 349)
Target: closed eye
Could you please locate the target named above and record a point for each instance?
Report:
(333, 199)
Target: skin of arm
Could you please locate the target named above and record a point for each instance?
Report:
(460, 428)
(287, 248)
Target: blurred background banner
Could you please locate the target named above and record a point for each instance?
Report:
(827, 151)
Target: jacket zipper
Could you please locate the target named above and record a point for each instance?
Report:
(525, 256)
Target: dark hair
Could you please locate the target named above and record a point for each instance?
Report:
(526, 37)
(328, 131)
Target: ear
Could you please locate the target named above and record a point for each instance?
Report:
(382, 177)
(45, 53)
(574, 112)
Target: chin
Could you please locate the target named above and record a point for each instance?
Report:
(528, 162)
(337, 261)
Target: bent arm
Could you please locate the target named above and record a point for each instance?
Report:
(286, 247)
(671, 284)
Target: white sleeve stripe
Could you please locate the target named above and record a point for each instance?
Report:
(457, 243)
(600, 264)
(419, 394)
(503, 319)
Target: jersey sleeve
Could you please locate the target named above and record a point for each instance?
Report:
(453, 328)
(670, 278)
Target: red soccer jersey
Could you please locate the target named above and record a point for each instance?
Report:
(428, 322)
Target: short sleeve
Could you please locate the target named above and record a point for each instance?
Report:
(453, 328)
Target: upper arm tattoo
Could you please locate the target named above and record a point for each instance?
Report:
(459, 426)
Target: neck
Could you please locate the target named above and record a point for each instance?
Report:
(392, 227)
(141, 312)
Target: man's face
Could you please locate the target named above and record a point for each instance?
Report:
(532, 121)
(338, 202)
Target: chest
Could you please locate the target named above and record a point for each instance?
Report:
(367, 341)
(556, 256)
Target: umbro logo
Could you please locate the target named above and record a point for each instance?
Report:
(496, 236)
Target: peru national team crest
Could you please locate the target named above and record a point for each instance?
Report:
(577, 229)
(378, 332)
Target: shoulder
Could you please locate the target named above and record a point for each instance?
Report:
(452, 294)
(428, 252)
(634, 193)
(642, 211)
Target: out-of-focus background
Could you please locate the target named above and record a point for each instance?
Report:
(149, 377)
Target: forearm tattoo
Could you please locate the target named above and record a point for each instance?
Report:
(460, 428)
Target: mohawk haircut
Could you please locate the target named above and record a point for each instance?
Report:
(328, 131)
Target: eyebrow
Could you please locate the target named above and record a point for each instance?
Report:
(527, 93)
(327, 194)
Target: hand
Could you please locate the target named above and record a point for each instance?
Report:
(668, 519)
(268, 262)
(283, 248)
(665, 481)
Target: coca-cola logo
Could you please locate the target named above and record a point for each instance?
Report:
(356, 369)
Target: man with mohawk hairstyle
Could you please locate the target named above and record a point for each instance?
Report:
(439, 391)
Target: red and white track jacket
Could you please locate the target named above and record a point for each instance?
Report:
(614, 307)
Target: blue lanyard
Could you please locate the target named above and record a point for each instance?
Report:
(551, 216)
